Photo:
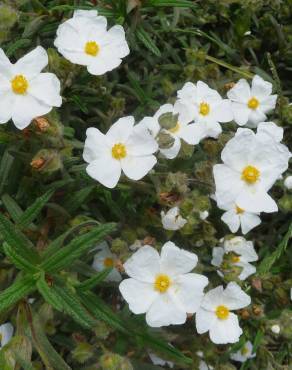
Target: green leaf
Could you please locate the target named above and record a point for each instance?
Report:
(144, 37)
(18, 290)
(101, 11)
(270, 259)
(49, 294)
(5, 166)
(94, 280)
(33, 211)
(74, 250)
(19, 259)
(75, 200)
(15, 238)
(174, 3)
(12, 207)
(21, 43)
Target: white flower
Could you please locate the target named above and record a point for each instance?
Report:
(6, 332)
(242, 253)
(215, 313)
(288, 182)
(204, 366)
(236, 217)
(204, 215)
(84, 40)
(25, 92)
(251, 104)
(206, 107)
(159, 361)
(172, 220)
(105, 259)
(124, 147)
(276, 329)
(270, 128)
(244, 353)
(252, 164)
(161, 286)
(182, 131)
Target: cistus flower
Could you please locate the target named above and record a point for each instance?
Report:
(124, 147)
(244, 354)
(25, 92)
(251, 104)
(251, 165)
(238, 252)
(172, 220)
(162, 286)
(215, 316)
(6, 332)
(183, 129)
(103, 259)
(84, 40)
(206, 107)
(288, 182)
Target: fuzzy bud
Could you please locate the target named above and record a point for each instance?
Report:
(113, 361)
(168, 120)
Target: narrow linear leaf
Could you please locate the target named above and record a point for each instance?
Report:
(101, 11)
(12, 207)
(144, 37)
(75, 200)
(5, 167)
(94, 280)
(49, 294)
(18, 290)
(174, 3)
(74, 250)
(19, 259)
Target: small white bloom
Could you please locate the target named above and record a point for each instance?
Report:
(252, 164)
(204, 366)
(204, 215)
(136, 245)
(251, 104)
(236, 217)
(243, 253)
(6, 332)
(244, 353)
(206, 108)
(288, 182)
(124, 147)
(172, 220)
(162, 286)
(184, 130)
(276, 329)
(159, 361)
(104, 259)
(84, 40)
(25, 92)
(215, 313)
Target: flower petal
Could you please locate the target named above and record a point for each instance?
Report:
(6, 106)
(140, 142)
(32, 63)
(260, 88)
(137, 167)
(232, 220)
(46, 88)
(222, 111)
(226, 331)
(256, 200)
(5, 65)
(204, 320)
(106, 170)
(95, 146)
(240, 112)
(249, 221)
(234, 297)
(240, 92)
(120, 131)
(173, 151)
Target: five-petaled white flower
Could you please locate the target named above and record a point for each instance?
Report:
(215, 313)
(206, 107)
(84, 40)
(251, 104)
(103, 259)
(124, 147)
(162, 286)
(6, 332)
(244, 354)
(183, 130)
(241, 253)
(172, 220)
(252, 164)
(236, 217)
(25, 92)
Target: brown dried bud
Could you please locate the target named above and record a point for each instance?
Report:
(257, 284)
(149, 240)
(229, 85)
(257, 310)
(244, 314)
(169, 197)
(42, 124)
(37, 163)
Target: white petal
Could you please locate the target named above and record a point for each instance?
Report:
(100, 66)
(165, 108)
(32, 63)
(228, 183)
(213, 298)
(188, 291)
(240, 92)
(151, 124)
(46, 88)
(118, 41)
(226, 331)
(191, 133)
(249, 221)
(121, 130)
(204, 320)
(6, 106)
(106, 170)
(85, 13)
(164, 312)
(175, 261)
(247, 270)
(234, 297)
(222, 111)
(217, 256)
(260, 88)
(232, 220)
(173, 151)
(6, 331)
(144, 264)
(5, 65)
(256, 116)
(268, 104)
(137, 167)
(140, 142)
(271, 129)
(139, 295)
(256, 200)
(95, 146)
(240, 112)
(26, 108)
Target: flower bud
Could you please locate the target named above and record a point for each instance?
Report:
(168, 120)
(113, 361)
(165, 140)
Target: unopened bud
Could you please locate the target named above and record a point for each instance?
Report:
(165, 140)
(42, 124)
(168, 120)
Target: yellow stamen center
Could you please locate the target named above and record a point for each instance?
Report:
(119, 151)
(19, 84)
(175, 128)
(91, 48)
(108, 262)
(222, 312)
(244, 351)
(162, 283)
(239, 210)
(235, 259)
(253, 103)
(204, 109)
(250, 174)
